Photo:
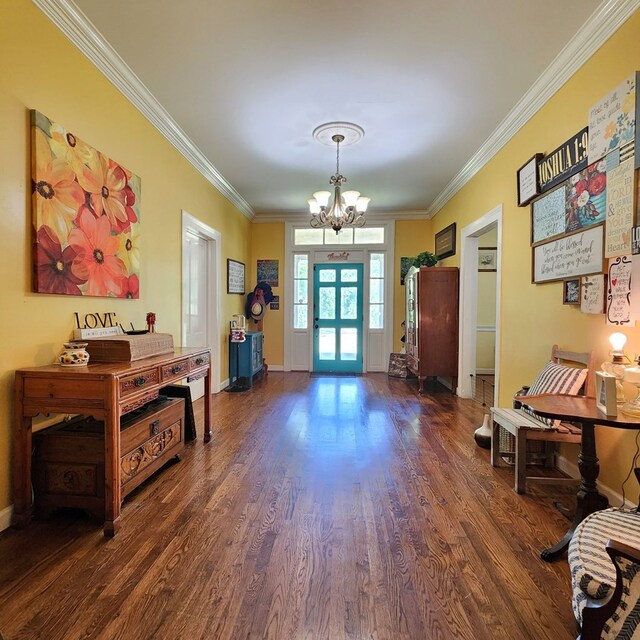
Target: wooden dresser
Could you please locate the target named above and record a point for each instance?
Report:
(431, 323)
(105, 392)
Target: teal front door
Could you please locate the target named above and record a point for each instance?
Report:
(337, 318)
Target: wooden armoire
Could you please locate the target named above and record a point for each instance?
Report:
(431, 323)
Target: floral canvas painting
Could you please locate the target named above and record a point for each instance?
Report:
(86, 216)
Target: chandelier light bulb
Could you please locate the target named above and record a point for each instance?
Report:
(314, 207)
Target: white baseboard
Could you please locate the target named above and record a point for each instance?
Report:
(615, 499)
(485, 372)
(5, 517)
(224, 384)
(276, 367)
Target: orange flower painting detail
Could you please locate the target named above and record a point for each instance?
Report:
(86, 216)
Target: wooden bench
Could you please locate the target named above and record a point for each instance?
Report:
(525, 428)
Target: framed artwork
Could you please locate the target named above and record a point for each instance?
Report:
(487, 258)
(86, 217)
(528, 181)
(267, 271)
(606, 393)
(592, 292)
(446, 242)
(571, 291)
(235, 276)
(405, 265)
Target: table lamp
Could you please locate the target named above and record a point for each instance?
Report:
(632, 375)
(617, 367)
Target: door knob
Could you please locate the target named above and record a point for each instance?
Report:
(315, 326)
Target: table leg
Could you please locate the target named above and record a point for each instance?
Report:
(21, 461)
(207, 406)
(589, 499)
(112, 494)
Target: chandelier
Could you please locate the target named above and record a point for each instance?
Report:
(348, 208)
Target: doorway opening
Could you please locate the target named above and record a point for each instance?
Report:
(480, 285)
(201, 273)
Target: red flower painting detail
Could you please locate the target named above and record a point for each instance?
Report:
(86, 212)
(53, 265)
(585, 198)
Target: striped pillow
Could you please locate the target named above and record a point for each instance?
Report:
(556, 379)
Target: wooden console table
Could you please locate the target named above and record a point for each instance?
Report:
(106, 392)
(583, 410)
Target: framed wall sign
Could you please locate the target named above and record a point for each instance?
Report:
(578, 254)
(548, 216)
(487, 258)
(571, 291)
(446, 242)
(528, 181)
(235, 277)
(569, 158)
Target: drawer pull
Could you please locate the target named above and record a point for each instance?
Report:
(155, 427)
(199, 360)
(140, 381)
(176, 369)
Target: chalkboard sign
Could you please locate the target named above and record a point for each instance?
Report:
(578, 254)
(548, 216)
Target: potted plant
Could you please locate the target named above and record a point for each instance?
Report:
(425, 259)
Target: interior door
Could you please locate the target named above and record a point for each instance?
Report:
(338, 318)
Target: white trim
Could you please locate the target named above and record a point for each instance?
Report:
(276, 367)
(223, 385)
(5, 517)
(83, 34)
(469, 301)
(598, 28)
(485, 329)
(485, 372)
(214, 294)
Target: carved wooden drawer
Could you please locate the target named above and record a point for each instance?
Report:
(150, 439)
(412, 364)
(139, 381)
(199, 361)
(177, 369)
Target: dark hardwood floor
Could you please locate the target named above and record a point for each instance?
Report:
(323, 508)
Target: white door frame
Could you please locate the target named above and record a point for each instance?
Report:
(214, 265)
(469, 300)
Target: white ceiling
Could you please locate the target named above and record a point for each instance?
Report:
(249, 80)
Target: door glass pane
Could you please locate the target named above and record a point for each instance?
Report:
(327, 303)
(345, 236)
(349, 275)
(301, 290)
(327, 344)
(349, 303)
(375, 316)
(377, 265)
(301, 266)
(349, 344)
(300, 316)
(376, 291)
(327, 275)
(308, 236)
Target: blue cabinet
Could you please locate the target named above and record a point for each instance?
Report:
(245, 358)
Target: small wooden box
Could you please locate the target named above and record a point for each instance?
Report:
(68, 459)
(129, 348)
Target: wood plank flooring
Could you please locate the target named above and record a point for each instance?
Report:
(323, 508)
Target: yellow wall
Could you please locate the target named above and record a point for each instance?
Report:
(412, 237)
(42, 70)
(267, 243)
(533, 317)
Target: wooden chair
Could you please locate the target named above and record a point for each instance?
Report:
(525, 428)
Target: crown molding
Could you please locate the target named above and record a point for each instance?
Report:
(600, 26)
(84, 35)
(377, 216)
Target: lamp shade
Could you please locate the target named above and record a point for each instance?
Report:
(362, 203)
(314, 207)
(322, 197)
(350, 198)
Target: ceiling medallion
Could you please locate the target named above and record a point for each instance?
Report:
(348, 208)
